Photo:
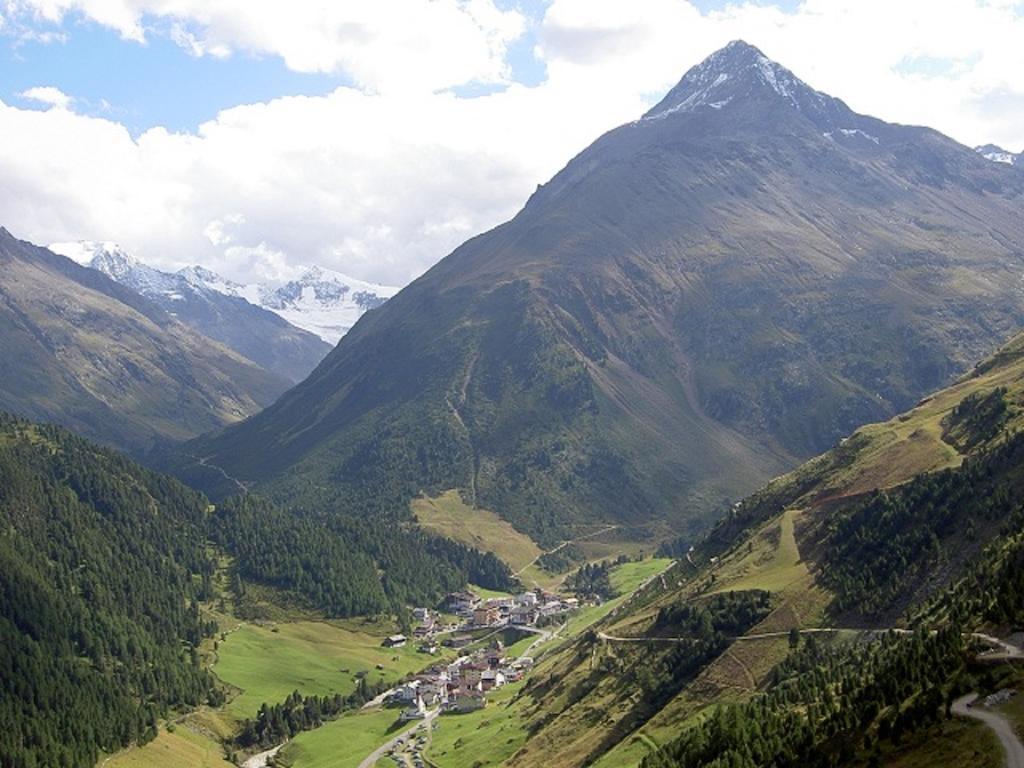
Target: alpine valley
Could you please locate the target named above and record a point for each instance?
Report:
(713, 455)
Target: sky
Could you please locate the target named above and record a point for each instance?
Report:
(374, 136)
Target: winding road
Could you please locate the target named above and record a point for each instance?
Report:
(1007, 736)
(379, 752)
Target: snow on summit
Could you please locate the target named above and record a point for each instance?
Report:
(999, 155)
(740, 71)
(321, 301)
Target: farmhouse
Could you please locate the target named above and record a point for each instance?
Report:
(416, 712)
(491, 679)
(486, 616)
(462, 602)
(466, 701)
(523, 615)
(394, 641)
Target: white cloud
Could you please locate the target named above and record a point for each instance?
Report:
(378, 186)
(381, 179)
(384, 45)
(47, 94)
(855, 49)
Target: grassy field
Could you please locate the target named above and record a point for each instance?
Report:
(773, 562)
(887, 454)
(629, 576)
(487, 737)
(516, 649)
(184, 747)
(534, 576)
(487, 594)
(342, 743)
(954, 743)
(625, 578)
(448, 515)
(314, 657)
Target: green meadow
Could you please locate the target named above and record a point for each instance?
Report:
(483, 738)
(342, 743)
(313, 657)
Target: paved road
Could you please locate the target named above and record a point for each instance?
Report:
(379, 752)
(1007, 737)
(543, 635)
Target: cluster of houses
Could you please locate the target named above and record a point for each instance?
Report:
(520, 610)
(460, 686)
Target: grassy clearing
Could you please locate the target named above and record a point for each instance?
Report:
(608, 546)
(772, 562)
(534, 576)
(487, 737)
(518, 648)
(183, 747)
(682, 713)
(956, 742)
(314, 657)
(448, 515)
(626, 579)
(487, 594)
(342, 743)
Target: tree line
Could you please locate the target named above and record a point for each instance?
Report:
(276, 723)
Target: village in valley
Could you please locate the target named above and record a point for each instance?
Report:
(481, 632)
(478, 634)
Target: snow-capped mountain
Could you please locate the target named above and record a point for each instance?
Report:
(321, 301)
(262, 335)
(999, 155)
(738, 73)
(121, 267)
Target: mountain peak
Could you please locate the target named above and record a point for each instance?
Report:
(997, 154)
(741, 72)
(99, 255)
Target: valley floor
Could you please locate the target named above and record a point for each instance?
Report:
(266, 660)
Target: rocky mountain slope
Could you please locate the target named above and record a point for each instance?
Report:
(699, 300)
(258, 334)
(322, 301)
(92, 355)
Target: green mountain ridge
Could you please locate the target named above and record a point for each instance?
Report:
(101, 567)
(849, 540)
(698, 301)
